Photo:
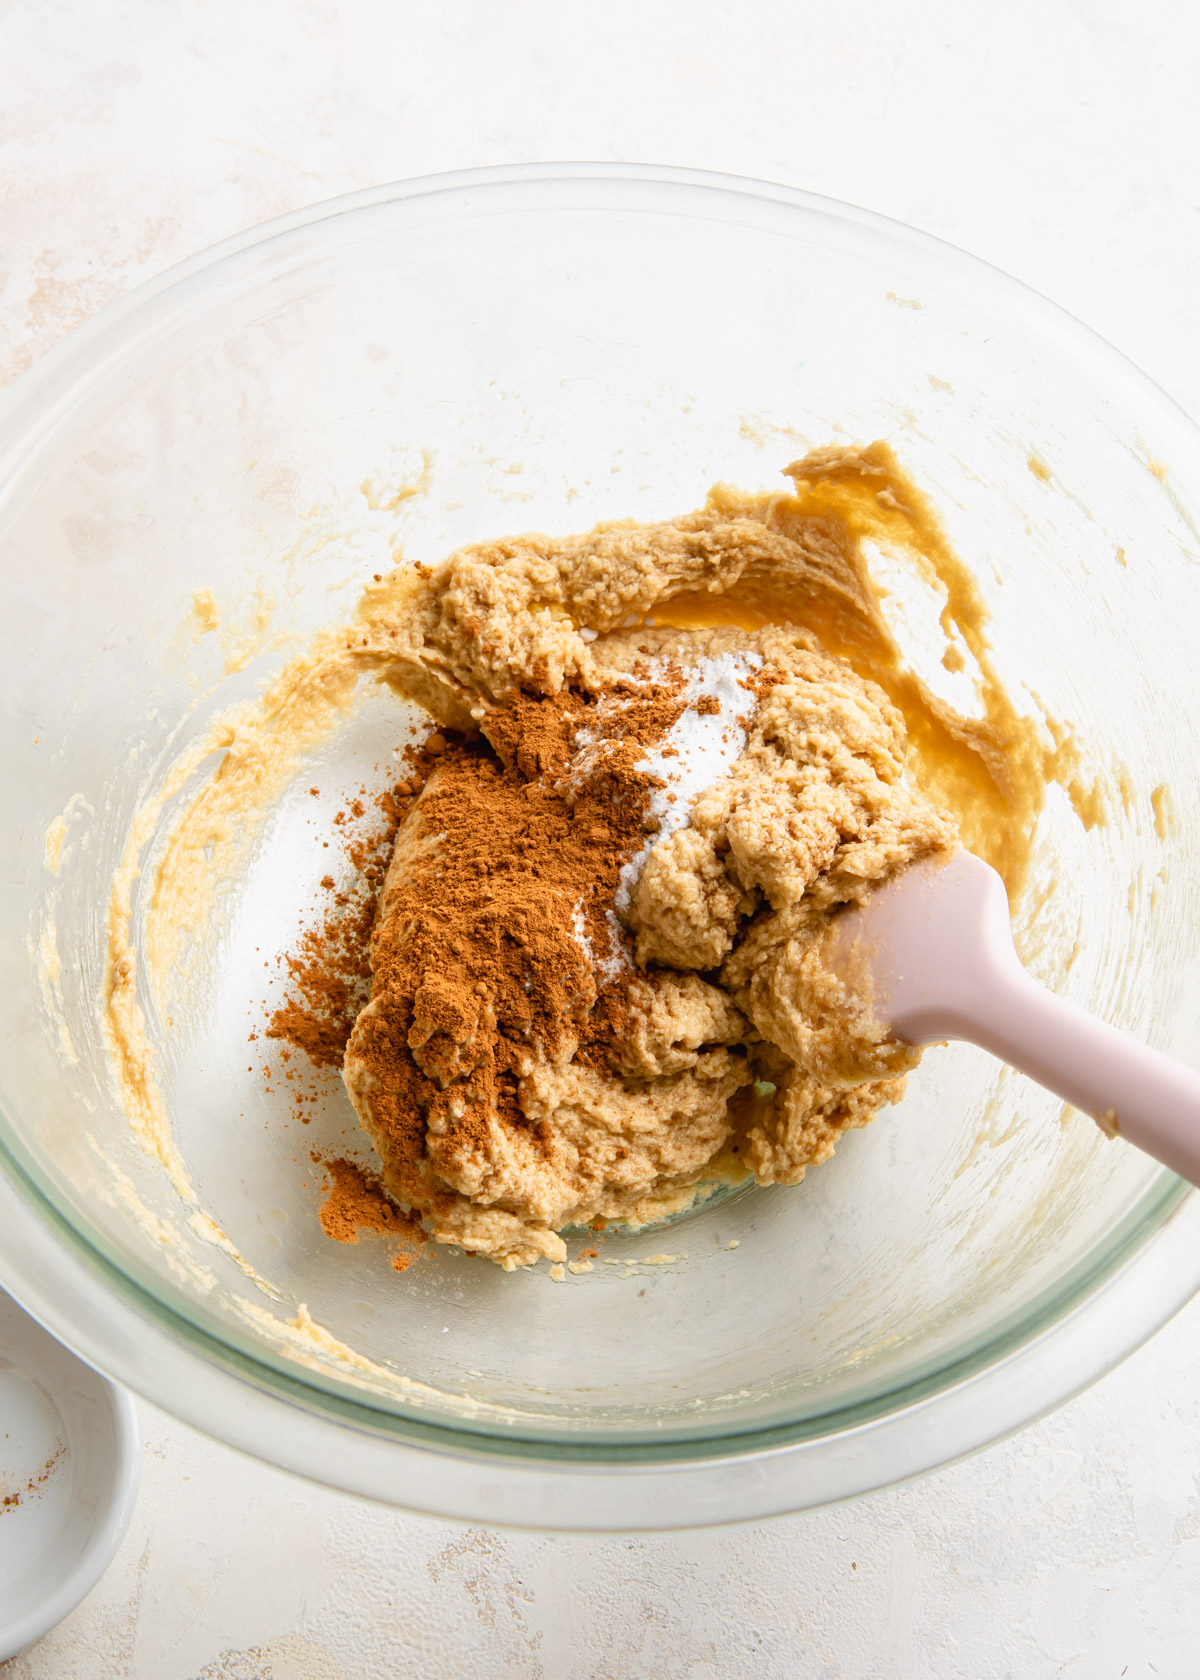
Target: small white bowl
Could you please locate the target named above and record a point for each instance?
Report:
(70, 1460)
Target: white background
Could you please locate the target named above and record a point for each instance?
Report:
(1060, 139)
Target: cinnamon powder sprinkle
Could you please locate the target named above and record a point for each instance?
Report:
(329, 969)
(355, 1201)
(330, 977)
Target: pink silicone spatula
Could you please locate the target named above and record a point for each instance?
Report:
(936, 946)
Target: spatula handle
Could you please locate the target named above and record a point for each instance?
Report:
(939, 946)
(1129, 1089)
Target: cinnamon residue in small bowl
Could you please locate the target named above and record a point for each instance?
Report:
(35, 1486)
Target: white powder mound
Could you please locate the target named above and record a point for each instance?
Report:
(696, 752)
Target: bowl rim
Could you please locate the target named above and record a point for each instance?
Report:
(462, 1483)
(49, 388)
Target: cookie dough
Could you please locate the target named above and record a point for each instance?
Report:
(597, 976)
(680, 954)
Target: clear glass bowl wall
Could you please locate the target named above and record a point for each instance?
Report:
(543, 351)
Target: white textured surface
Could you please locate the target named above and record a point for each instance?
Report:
(1057, 138)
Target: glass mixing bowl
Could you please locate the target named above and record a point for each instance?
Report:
(455, 358)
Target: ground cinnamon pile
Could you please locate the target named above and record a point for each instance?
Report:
(497, 948)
